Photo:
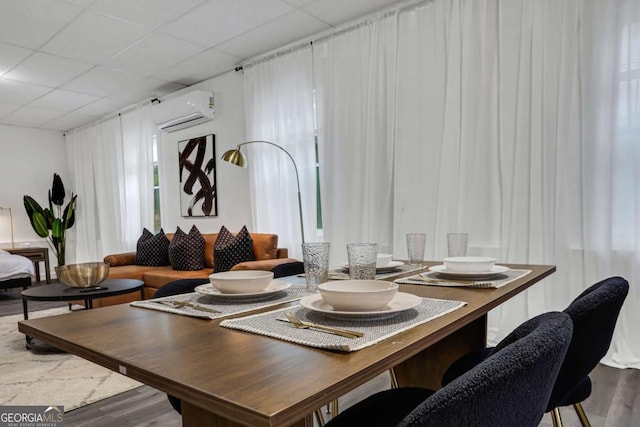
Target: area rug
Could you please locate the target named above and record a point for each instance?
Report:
(28, 378)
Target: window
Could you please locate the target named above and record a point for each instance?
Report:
(156, 188)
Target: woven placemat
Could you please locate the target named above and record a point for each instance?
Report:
(493, 283)
(374, 331)
(226, 307)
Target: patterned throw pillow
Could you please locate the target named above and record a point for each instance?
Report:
(152, 250)
(186, 251)
(230, 250)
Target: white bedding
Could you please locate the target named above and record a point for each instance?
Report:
(15, 266)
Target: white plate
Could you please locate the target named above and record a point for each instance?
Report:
(495, 270)
(272, 288)
(401, 302)
(392, 266)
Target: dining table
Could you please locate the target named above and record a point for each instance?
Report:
(231, 377)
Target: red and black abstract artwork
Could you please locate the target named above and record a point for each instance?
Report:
(197, 169)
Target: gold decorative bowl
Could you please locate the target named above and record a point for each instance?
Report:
(83, 275)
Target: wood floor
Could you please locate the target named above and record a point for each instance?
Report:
(614, 402)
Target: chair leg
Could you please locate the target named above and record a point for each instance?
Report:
(394, 379)
(319, 417)
(581, 415)
(555, 417)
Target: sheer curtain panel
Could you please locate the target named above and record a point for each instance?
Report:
(112, 173)
(279, 109)
(355, 76)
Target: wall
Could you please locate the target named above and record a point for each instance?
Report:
(28, 160)
(234, 205)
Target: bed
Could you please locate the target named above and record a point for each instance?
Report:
(15, 271)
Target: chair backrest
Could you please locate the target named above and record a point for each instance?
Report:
(594, 314)
(510, 387)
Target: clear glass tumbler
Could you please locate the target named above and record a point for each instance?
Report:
(362, 260)
(316, 263)
(415, 248)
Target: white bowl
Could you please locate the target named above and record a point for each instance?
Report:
(241, 281)
(357, 295)
(383, 260)
(469, 263)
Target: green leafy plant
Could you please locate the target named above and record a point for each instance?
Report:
(52, 222)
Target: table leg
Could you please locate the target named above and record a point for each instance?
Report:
(47, 269)
(36, 266)
(426, 368)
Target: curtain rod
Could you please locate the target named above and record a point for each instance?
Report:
(328, 34)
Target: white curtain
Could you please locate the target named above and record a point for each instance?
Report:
(279, 109)
(507, 129)
(355, 75)
(112, 173)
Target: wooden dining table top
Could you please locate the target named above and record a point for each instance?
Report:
(240, 378)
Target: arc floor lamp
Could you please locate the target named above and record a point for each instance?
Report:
(235, 157)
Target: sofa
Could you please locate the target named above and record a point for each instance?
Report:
(123, 266)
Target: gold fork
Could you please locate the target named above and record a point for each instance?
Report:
(301, 324)
(180, 304)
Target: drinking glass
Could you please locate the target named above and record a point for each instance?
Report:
(362, 260)
(415, 248)
(457, 244)
(316, 263)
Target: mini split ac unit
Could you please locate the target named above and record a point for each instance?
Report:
(184, 111)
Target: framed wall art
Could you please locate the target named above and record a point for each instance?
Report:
(197, 170)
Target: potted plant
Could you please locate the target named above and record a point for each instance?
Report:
(53, 222)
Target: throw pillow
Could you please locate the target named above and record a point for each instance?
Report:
(186, 251)
(152, 250)
(230, 250)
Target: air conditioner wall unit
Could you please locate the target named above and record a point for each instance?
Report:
(184, 111)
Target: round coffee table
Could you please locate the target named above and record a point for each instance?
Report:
(61, 292)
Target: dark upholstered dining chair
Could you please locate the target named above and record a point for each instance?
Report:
(594, 314)
(509, 388)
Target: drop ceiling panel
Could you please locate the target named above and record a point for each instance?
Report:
(200, 67)
(6, 108)
(71, 120)
(154, 53)
(10, 56)
(102, 81)
(145, 89)
(281, 31)
(49, 70)
(94, 38)
(31, 23)
(150, 13)
(63, 100)
(336, 12)
(31, 116)
(103, 107)
(220, 20)
(20, 93)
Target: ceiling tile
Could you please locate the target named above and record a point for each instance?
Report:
(221, 20)
(298, 3)
(47, 70)
(150, 13)
(279, 32)
(94, 38)
(102, 81)
(336, 12)
(70, 121)
(6, 108)
(145, 89)
(154, 53)
(63, 100)
(33, 22)
(20, 93)
(31, 116)
(200, 67)
(103, 107)
(10, 56)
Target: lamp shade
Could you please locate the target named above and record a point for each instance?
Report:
(235, 157)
